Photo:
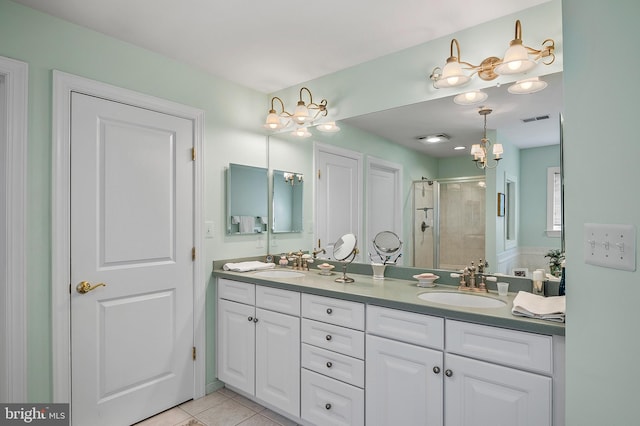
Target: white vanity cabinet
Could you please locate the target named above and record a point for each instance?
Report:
(404, 368)
(424, 370)
(333, 361)
(259, 343)
(497, 376)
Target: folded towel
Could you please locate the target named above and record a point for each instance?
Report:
(247, 224)
(247, 266)
(531, 305)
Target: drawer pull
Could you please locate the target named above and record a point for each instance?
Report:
(327, 406)
(328, 337)
(448, 373)
(329, 364)
(329, 311)
(250, 319)
(436, 369)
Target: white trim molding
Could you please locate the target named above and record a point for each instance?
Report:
(13, 144)
(63, 85)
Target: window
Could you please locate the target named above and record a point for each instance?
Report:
(554, 202)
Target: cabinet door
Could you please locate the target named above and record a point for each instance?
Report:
(278, 360)
(479, 393)
(236, 344)
(402, 386)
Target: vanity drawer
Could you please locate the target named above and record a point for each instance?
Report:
(409, 327)
(333, 364)
(334, 338)
(519, 349)
(328, 402)
(278, 300)
(334, 311)
(237, 291)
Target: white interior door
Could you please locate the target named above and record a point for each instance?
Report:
(338, 195)
(384, 201)
(131, 229)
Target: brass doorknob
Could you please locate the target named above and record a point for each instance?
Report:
(86, 287)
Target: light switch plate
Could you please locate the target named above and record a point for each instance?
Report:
(610, 246)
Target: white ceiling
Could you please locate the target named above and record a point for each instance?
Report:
(269, 45)
(275, 44)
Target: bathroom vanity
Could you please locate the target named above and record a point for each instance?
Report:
(372, 353)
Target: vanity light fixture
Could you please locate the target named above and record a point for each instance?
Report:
(517, 59)
(292, 177)
(480, 150)
(524, 87)
(470, 98)
(304, 113)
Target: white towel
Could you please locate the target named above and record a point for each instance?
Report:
(247, 224)
(235, 220)
(531, 305)
(247, 266)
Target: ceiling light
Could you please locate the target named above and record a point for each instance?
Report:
(517, 59)
(470, 98)
(435, 138)
(328, 127)
(480, 150)
(524, 87)
(304, 113)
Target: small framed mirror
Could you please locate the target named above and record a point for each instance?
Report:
(387, 245)
(247, 199)
(287, 202)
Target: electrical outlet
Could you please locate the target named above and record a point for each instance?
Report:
(610, 246)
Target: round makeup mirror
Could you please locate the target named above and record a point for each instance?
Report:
(345, 251)
(387, 244)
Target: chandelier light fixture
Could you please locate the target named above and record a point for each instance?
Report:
(303, 115)
(480, 151)
(517, 59)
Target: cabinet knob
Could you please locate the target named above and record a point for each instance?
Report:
(448, 373)
(328, 337)
(250, 319)
(436, 369)
(327, 406)
(329, 364)
(329, 311)
(255, 320)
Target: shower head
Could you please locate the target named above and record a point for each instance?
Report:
(429, 181)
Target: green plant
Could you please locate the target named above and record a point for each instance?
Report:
(556, 256)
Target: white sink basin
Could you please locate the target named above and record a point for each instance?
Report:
(277, 273)
(462, 299)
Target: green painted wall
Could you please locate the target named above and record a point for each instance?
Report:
(601, 171)
(533, 203)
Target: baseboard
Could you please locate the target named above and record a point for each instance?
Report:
(213, 386)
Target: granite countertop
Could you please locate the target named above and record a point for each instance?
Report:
(400, 294)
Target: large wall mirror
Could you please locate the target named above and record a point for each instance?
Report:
(247, 199)
(527, 126)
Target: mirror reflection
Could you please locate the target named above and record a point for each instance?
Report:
(247, 194)
(287, 202)
(528, 128)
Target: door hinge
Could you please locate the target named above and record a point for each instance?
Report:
(318, 173)
(193, 253)
(193, 353)
(193, 154)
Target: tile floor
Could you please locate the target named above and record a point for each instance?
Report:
(221, 408)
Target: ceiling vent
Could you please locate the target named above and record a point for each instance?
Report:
(538, 118)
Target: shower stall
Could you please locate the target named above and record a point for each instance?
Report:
(449, 222)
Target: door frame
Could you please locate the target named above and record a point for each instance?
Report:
(13, 372)
(63, 85)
